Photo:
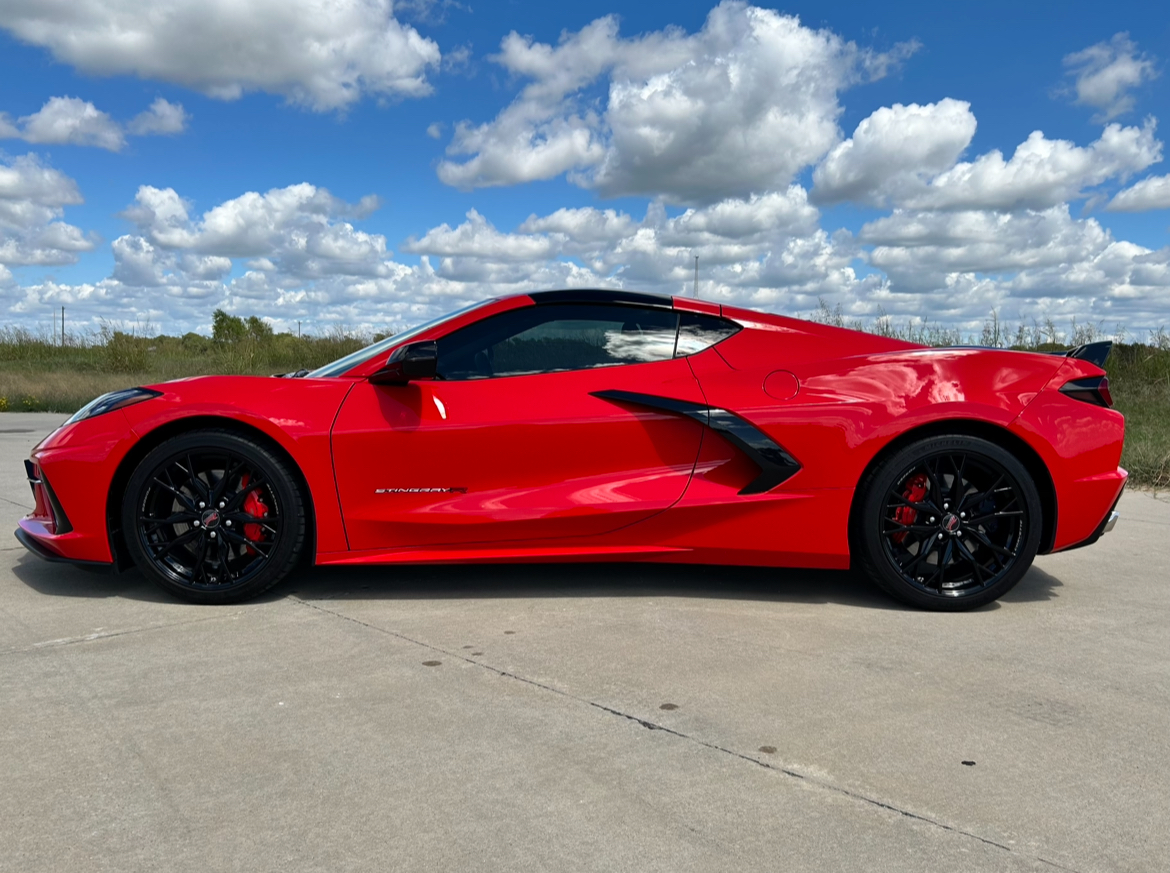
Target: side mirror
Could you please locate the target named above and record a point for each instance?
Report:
(409, 362)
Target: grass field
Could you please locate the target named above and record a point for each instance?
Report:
(37, 374)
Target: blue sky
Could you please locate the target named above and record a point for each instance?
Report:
(591, 153)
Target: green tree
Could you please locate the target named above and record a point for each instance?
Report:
(194, 342)
(259, 330)
(227, 328)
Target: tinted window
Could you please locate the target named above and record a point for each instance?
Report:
(548, 338)
(343, 365)
(697, 332)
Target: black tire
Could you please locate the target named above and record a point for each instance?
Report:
(213, 517)
(947, 523)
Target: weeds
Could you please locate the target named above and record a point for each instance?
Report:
(38, 373)
(1139, 373)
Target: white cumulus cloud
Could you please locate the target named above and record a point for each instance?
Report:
(73, 121)
(301, 229)
(1042, 172)
(740, 107)
(1105, 73)
(765, 249)
(1152, 192)
(163, 117)
(477, 238)
(322, 54)
(907, 156)
(32, 200)
(894, 151)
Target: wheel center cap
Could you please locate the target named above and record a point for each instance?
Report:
(210, 519)
(950, 523)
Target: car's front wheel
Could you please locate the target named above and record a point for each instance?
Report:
(948, 523)
(213, 517)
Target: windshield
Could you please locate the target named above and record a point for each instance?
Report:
(342, 365)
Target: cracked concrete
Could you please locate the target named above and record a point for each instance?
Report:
(585, 718)
(649, 725)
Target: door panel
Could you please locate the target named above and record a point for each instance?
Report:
(511, 458)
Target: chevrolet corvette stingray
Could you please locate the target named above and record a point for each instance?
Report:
(597, 426)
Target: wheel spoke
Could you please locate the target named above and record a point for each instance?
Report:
(241, 517)
(197, 483)
(170, 545)
(977, 498)
(201, 562)
(980, 519)
(971, 559)
(233, 503)
(229, 475)
(921, 507)
(936, 490)
(959, 485)
(939, 573)
(948, 554)
(937, 555)
(216, 555)
(979, 535)
(177, 518)
(179, 495)
(923, 554)
(1014, 498)
(223, 554)
(262, 547)
(910, 528)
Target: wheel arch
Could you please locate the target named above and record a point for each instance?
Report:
(177, 427)
(993, 433)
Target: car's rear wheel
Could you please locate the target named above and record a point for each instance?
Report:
(948, 523)
(213, 517)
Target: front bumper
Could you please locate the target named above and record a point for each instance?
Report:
(70, 472)
(30, 542)
(47, 531)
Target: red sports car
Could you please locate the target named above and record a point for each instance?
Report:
(601, 426)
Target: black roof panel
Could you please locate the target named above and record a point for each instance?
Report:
(596, 295)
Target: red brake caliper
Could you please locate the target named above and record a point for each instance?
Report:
(915, 491)
(256, 508)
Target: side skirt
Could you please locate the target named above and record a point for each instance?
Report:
(491, 555)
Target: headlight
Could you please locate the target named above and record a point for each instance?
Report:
(113, 400)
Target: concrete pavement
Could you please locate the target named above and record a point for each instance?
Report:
(584, 717)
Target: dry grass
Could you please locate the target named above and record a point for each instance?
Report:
(38, 375)
(57, 391)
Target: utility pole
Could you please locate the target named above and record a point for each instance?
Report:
(62, 327)
(298, 327)
(696, 275)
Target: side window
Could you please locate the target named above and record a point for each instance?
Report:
(697, 332)
(548, 338)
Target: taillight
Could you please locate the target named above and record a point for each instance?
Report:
(1094, 389)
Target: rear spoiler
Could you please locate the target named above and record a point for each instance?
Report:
(1094, 353)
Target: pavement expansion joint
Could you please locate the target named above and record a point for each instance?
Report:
(105, 635)
(654, 726)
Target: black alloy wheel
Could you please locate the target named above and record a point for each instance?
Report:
(213, 517)
(949, 523)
